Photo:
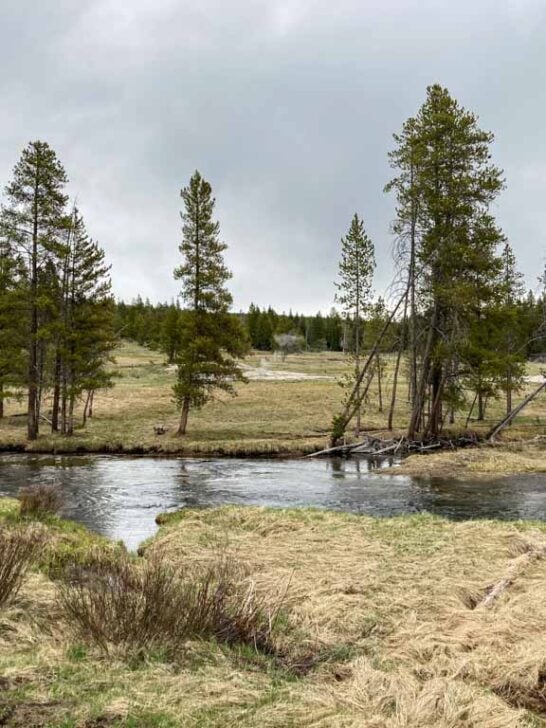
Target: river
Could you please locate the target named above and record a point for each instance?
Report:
(120, 497)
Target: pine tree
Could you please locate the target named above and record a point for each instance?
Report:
(86, 325)
(445, 186)
(514, 334)
(252, 324)
(170, 334)
(13, 335)
(211, 339)
(356, 270)
(32, 222)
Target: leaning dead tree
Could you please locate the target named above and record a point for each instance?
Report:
(359, 392)
(513, 414)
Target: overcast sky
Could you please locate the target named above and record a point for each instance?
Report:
(286, 106)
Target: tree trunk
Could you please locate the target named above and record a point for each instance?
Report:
(70, 424)
(86, 408)
(481, 410)
(394, 386)
(435, 418)
(420, 395)
(379, 388)
(1, 401)
(413, 309)
(508, 391)
(357, 369)
(32, 426)
(184, 417)
(56, 394)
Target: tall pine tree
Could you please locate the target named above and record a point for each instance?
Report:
(211, 340)
(356, 270)
(33, 222)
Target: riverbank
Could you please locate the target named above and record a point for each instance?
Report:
(483, 461)
(382, 624)
(285, 410)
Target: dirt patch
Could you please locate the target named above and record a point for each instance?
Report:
(264, 374)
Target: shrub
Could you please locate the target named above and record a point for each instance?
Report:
(38, 501)
(18, 549)
(151, 605)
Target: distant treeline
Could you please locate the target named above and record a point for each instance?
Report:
(157, 325)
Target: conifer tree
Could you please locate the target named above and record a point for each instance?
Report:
(445, 186)
(170, 333)
(211, 340)
(356, 270)
(13, 335)
(514, 335)
(33, 221)
(85, 324)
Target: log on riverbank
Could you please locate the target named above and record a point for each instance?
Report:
(394, 447)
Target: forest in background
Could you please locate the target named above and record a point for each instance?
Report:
(155, 325)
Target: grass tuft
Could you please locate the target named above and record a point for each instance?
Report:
(39, 501)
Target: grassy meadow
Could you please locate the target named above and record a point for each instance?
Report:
(383, 624)
(286, 408)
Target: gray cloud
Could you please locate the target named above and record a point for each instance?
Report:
(286, 106)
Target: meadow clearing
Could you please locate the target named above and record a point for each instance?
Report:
(285, 409)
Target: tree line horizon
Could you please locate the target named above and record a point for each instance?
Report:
(459, 323)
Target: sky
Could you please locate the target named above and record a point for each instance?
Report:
(287, 107)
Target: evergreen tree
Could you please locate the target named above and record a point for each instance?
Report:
(211, 339)
(87, 335)
(252, 323)
(445, 186)
(33, 221)
(356, 270)
(170, 333)
(13, 335)
(513, 328)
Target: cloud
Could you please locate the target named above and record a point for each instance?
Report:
(286, 106)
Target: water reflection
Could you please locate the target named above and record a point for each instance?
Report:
(120, 497)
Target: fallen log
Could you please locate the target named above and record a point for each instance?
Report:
(373, 446)
(516, 569)
(337, 449)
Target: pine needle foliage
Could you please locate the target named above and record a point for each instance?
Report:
(211, 341)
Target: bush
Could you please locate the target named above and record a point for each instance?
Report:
(18, 549)
(151, 605)
(38, 501)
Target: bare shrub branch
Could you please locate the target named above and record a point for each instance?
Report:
(18, 550)
(150, 604)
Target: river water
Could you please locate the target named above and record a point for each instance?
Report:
(120, 497)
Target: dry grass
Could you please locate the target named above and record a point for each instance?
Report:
(484, 461)
(380, 618)
(267, 418)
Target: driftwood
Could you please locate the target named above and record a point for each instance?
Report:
(516, 569)
(374, 446)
